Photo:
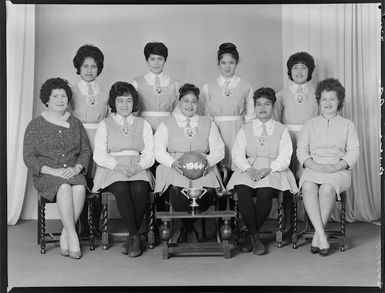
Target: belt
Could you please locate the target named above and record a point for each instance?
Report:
(125, 153)
(227, 118)
(155, 114)
(90, 125)
(294, 127)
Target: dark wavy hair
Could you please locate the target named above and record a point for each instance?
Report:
(88, 51)
(155, 48)
(122, 88)
(304, 58)
(264, 92)
(228, 48)
(53, 84)
(188, 88)
(331, 84)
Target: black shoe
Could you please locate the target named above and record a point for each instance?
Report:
(314, 249)
(183, 237)
(246, 246)
(136, 247)
(124, 248)
(324, 251)
(258, 247)
(192, 235)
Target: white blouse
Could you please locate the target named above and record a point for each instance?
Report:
(104, 159)
(216, 145)
(282, 162)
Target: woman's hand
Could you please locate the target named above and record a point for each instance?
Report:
(122, 169)
(65, 173)
(207, 166)
(311, 164)
(134, 169)
(177, 166)
(253, 174)
(264, 172)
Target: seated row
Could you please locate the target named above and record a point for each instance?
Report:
(56, 149)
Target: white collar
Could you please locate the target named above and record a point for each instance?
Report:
(258, 123)
(119, 118)
(233, 80)
(294, 86)
(163, 78)
(182, 119)
(63, 122)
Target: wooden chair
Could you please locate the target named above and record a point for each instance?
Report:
(308, 232)
(149, 222)
(279, 230)
(44, 237)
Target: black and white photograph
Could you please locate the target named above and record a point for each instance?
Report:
(193, 146)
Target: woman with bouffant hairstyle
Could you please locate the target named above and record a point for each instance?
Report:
(123, 154)
(183, 132)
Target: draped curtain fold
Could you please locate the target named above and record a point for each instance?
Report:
(20, 82)
(344, 40)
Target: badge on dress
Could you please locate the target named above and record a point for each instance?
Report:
(190, 132)
(92, 100)
(158, 90)
(226, 92)
(261, 140)
(299, 98)
(126, 130)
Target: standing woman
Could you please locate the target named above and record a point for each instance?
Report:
(261, 153)
(57, 152)
(328, 148)
(158, 92)
(124, 153)
(228, 99)
(186, 131)
(90, 105)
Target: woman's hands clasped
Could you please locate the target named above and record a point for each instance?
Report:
(66, 173)
(257, 175)
(128, 170)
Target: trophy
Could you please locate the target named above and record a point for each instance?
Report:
(193, 194)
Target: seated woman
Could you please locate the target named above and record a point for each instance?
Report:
(261, 154)
(327, 148)
(57, 152)
(182, 132)
(124, 153)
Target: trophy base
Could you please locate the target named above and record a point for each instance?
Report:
(193, 210)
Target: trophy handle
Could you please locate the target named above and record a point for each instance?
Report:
(184, 192)
(204, 191)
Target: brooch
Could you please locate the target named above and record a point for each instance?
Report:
(92, 100)
(189, 132)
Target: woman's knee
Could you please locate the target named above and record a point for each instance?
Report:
(327, 190)
(309, 187)
(79, 188)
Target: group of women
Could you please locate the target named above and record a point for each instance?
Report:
(139, 131)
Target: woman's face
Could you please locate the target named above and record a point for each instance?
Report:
(328, 103)
(124, 105)
(188, 105)
(58, 101)
(89, 70)
(156, 63)
(227, 65)
(263, 109)
(299, 73)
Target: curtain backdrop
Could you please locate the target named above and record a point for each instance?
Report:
(344, 40)
(20, 80)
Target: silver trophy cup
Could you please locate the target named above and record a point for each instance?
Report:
(193, 194)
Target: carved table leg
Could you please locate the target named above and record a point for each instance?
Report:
(91, 224)
(278, 235)
(151, 223)
(105, 217)
(294, 237)
(165, 235)
(42, 228)
(227, 234)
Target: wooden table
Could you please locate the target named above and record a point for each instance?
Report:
(196, 247)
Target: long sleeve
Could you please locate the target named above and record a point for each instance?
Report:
(134, 84)
(160, 149)
(352, 145)
(303, 144)
(282, 161)
(147, 158)
(85, 149)
(101, 157)
(238, 152)
(203, 101)
(250, 113)
(29, 150)
(216, 145)
(278, 107)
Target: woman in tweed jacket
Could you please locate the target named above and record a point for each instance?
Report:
(57, 152)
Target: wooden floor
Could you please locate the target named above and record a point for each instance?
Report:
(358, 266)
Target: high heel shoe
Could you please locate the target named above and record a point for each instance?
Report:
(64, 252)
(314, 249)
(75, 254)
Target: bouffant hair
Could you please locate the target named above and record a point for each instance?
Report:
(155, 48)
(228, 48)
(122, 88)
(304, 58)
(188, 88)
(331, 84)
(88, 51)
(52, 84)
(264, 92)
